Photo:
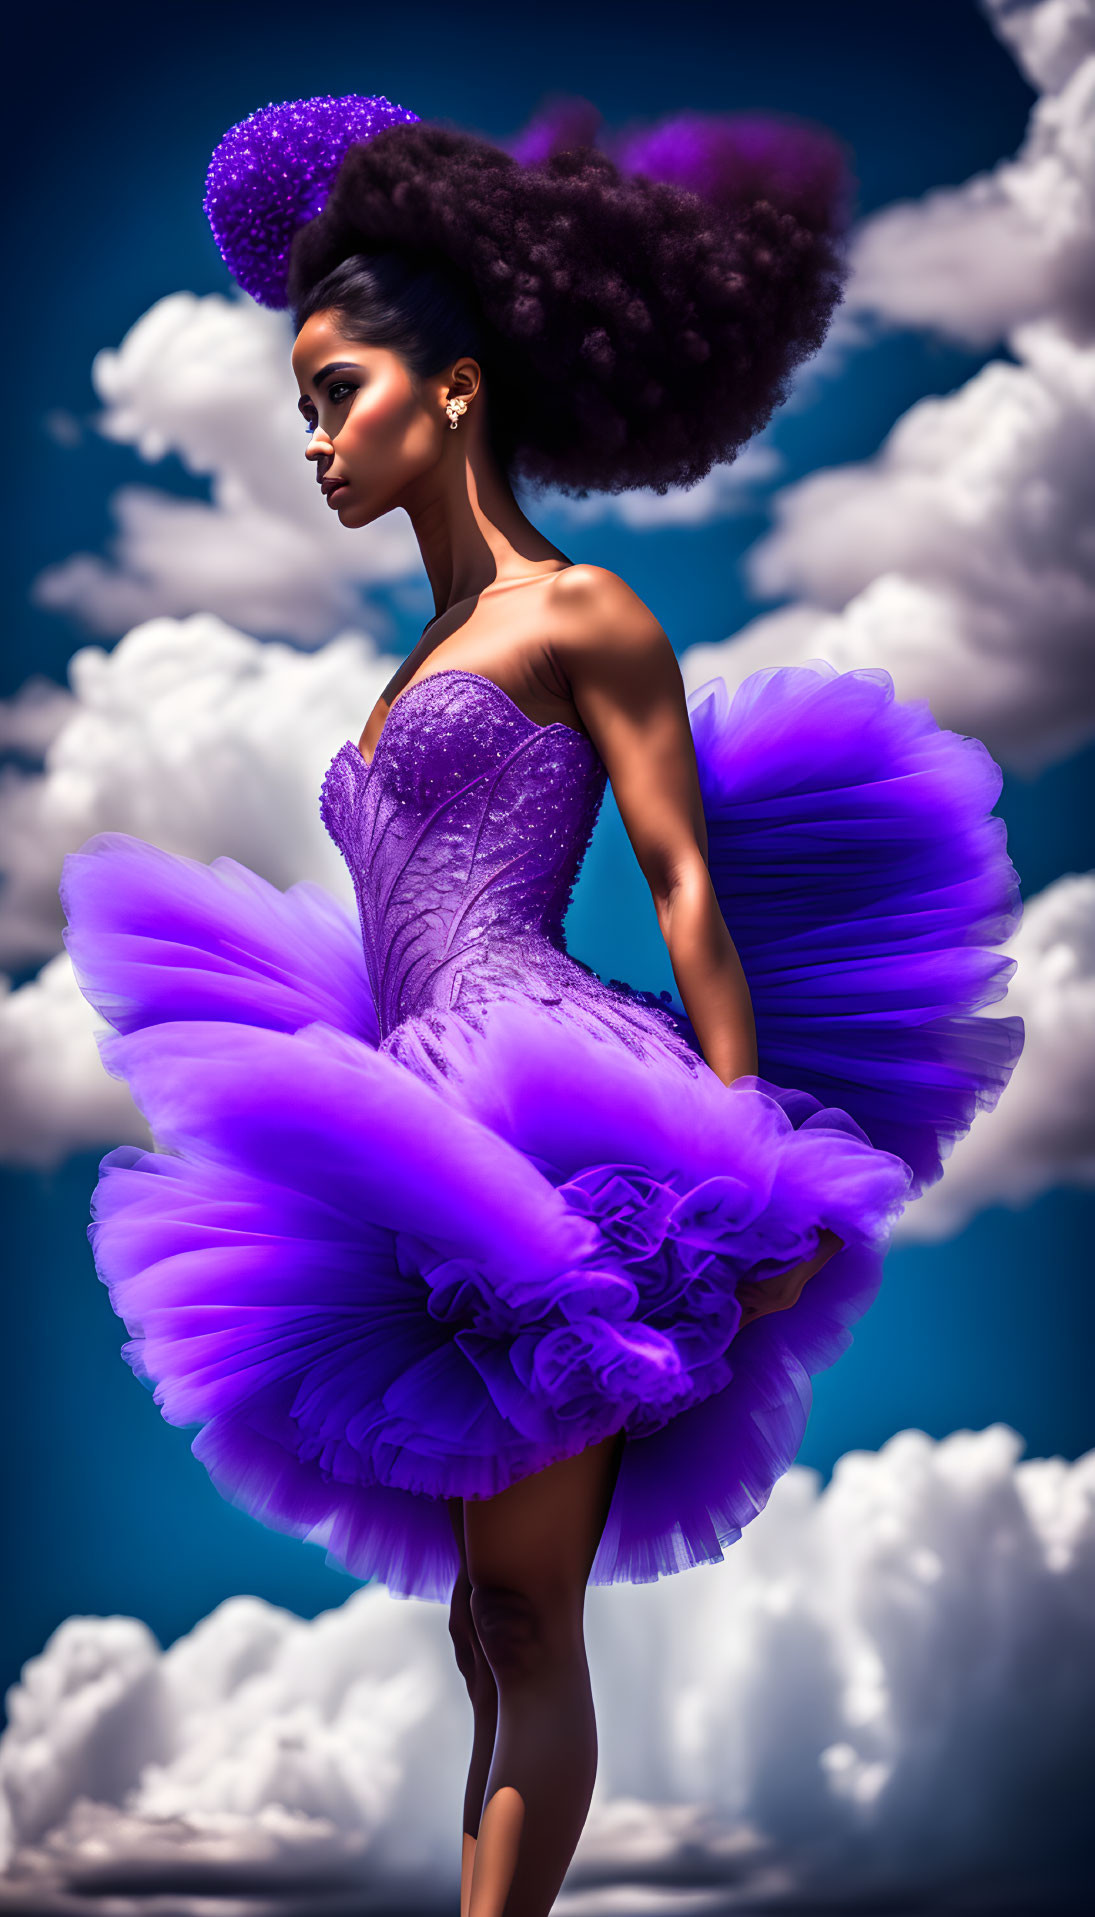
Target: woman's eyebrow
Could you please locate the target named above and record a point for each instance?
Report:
(333, 366)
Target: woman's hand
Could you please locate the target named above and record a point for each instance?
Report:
(758, 1296)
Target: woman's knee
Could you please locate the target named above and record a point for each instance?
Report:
(523, 1633)
(471, 1661)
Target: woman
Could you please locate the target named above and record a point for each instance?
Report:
(489, 1275)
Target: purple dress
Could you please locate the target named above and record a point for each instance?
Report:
(432, 1206)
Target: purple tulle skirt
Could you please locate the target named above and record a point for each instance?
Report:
(375, 1288)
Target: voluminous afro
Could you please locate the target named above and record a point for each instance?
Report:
(639, 331)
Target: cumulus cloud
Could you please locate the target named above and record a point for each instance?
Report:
(1042, 1132)
(209, 380)
(1014, 244)
(724, 490)
(31, 720)
(959, 558)
(886, 1688)
(1050, 38)
(198, 738)
(57, 1096)
(195, 737)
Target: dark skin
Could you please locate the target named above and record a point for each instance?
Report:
(569, 644)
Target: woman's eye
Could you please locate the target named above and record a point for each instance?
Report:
(340, 386)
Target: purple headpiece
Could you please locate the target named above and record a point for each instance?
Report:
(272, 172)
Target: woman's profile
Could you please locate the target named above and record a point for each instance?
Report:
(493, 1277)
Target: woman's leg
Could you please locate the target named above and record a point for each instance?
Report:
(530, 1550)
(479, 1678)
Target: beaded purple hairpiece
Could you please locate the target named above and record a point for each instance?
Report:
(272, 172)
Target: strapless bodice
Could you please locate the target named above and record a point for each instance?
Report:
(464, 836)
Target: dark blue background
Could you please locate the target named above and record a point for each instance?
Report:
(113, 116)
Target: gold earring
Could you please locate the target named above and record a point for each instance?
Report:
(454, 408)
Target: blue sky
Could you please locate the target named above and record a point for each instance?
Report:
(118, 115)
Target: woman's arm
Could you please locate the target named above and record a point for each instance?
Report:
(708, 970)
(626, 685)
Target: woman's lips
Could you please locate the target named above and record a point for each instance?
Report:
(335, 492)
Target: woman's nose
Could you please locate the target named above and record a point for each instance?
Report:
(319, 446)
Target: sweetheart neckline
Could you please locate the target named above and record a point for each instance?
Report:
(462, 672)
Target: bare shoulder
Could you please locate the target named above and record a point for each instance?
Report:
(596, 615)
(594, 597)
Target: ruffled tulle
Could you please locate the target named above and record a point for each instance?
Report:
(154, 936)
(866, 885)
(380, 1272)
(356, 1281)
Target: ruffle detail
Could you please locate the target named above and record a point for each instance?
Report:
(865, 884)
(356, 1285)
(154, 936)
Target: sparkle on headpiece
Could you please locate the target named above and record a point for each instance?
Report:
(272, 172)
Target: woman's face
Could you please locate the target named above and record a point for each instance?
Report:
(370, 424)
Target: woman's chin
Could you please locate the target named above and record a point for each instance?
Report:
(355, 514)
(350, 512)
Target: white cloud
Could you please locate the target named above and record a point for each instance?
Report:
(1014, 244)
(195, 737)
(57, 1097)
(723, 491)
(887, 1687)
(960, 558)
(1050, 38)
(31, 720)
(1042, 1132)
(209, 379)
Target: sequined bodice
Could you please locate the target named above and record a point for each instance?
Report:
(464, 836)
